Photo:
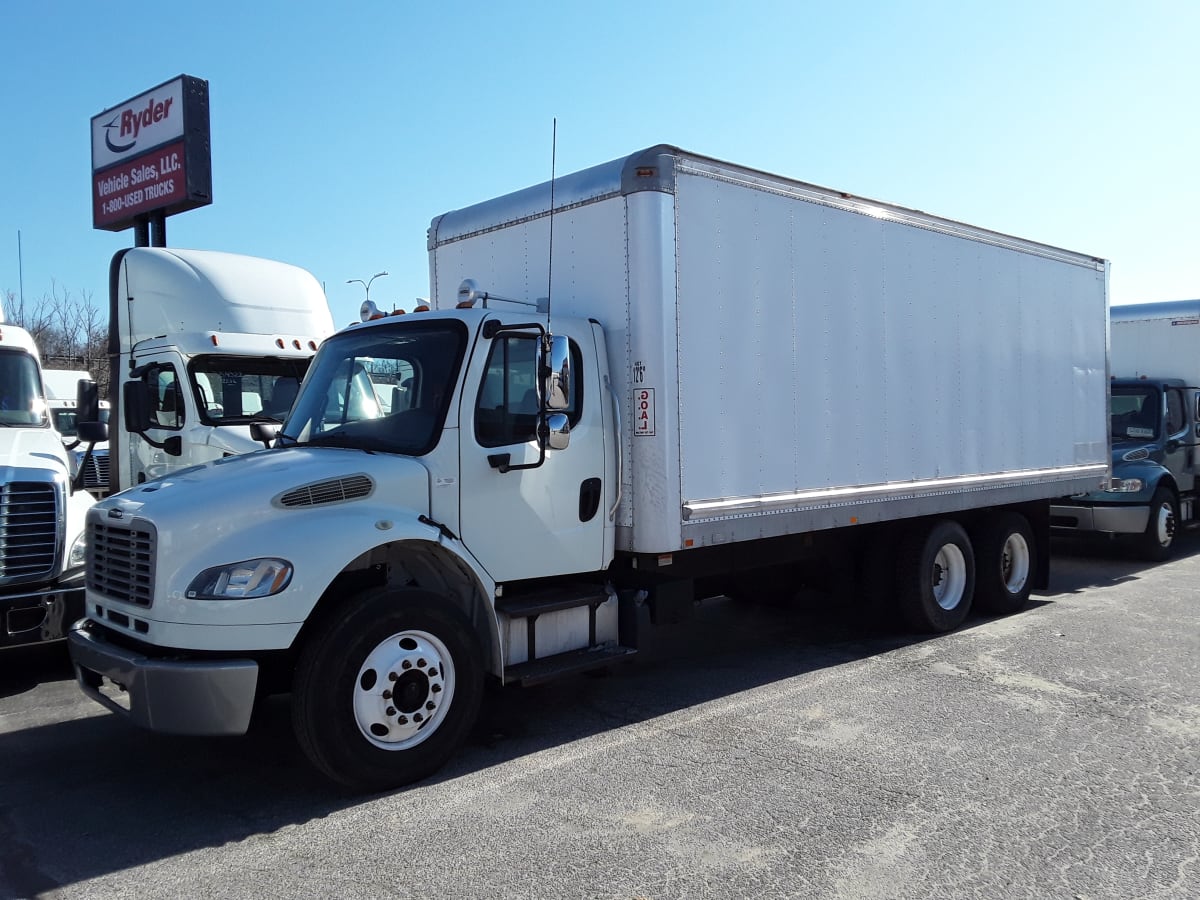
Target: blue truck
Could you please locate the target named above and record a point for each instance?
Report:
(1154, 405)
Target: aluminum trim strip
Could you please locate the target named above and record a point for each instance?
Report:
(697, 510)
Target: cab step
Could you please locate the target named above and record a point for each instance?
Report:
(530, 604)
(548, 668)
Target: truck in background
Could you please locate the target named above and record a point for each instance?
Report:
(89, 462)
(201, 343)
(735, 370)
(1155, 425)
(41, 512)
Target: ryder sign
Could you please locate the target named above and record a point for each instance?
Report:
(151, 155)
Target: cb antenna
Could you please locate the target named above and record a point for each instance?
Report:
(550, 261)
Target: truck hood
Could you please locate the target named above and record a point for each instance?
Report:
(258, 486)
(31, 448)
(232, 439)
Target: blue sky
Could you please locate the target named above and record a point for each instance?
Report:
(340, 131)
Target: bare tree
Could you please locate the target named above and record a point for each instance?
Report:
(71, 332)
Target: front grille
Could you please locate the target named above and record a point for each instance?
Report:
(95, 471)
(336, 490)
(28, 529)
(121, 562)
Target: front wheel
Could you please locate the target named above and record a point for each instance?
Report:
(385, 695)
(1158, 540)
(935, 576)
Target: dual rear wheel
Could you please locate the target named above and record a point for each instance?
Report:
(941, 569)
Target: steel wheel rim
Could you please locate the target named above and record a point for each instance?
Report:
(1165, 524)
(404, 690)
(1014, 563)
(949, 576)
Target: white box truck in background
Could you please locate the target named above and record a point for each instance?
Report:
(62, 387)
(1155, 407)
(41, 512)
(734, 371)
(201, 343)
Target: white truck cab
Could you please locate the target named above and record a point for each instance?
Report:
(202, 343)
(62, 386)
(41, 513)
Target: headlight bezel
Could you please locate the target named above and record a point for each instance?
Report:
(247, 579)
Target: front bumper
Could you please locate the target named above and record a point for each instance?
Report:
(170, 695)
(36, 616)
(1080, 518)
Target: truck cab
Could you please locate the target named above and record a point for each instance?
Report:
(202, 344)
(1155, 428)
(42, 511)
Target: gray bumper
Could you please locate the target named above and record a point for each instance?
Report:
(1066, 518)
(176, 696)
(40, 614)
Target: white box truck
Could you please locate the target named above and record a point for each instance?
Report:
(1155, 419)
(734, 370)
(41, 513)
(201, 342)
(89, 462)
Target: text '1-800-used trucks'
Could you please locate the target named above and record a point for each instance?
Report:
(733, 371)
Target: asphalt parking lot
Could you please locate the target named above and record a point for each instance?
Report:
(759, 751)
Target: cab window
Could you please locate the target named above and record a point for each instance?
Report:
(507, 408)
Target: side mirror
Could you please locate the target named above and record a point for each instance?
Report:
(557, 386)
(87, 401)
(136, 400)
(1172, 445)
(172, 445)
(559, 429)
(92, 432)
(264, 432)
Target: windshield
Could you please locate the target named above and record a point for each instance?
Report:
(1134, 413)
(21, 401)
(232, 390)
(384, 388)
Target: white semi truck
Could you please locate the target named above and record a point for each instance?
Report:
(89, 462)
(732, 370)
(201, 342)
(41, 511)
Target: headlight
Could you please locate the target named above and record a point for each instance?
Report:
(78, 555)
(241, 580)
(1124, 486)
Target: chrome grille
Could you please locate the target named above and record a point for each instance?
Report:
(333, 491)
(95, 472)
(121, 561)
(28, 529)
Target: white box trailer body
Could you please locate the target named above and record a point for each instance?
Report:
(758, 373)
(209, 335)
(1160, 340)
(792, 358)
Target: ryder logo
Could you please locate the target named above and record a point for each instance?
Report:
(131, 122)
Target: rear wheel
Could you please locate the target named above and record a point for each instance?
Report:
(1158, 540)
(385, 695)
(935, 576)
(1005, 560)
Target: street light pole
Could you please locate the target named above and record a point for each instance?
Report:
(366, 284)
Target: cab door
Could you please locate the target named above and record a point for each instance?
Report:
(534, 519)
(1180, 448)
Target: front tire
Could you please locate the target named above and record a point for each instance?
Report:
(386, 694)
(935, 576)
(1158, 540)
